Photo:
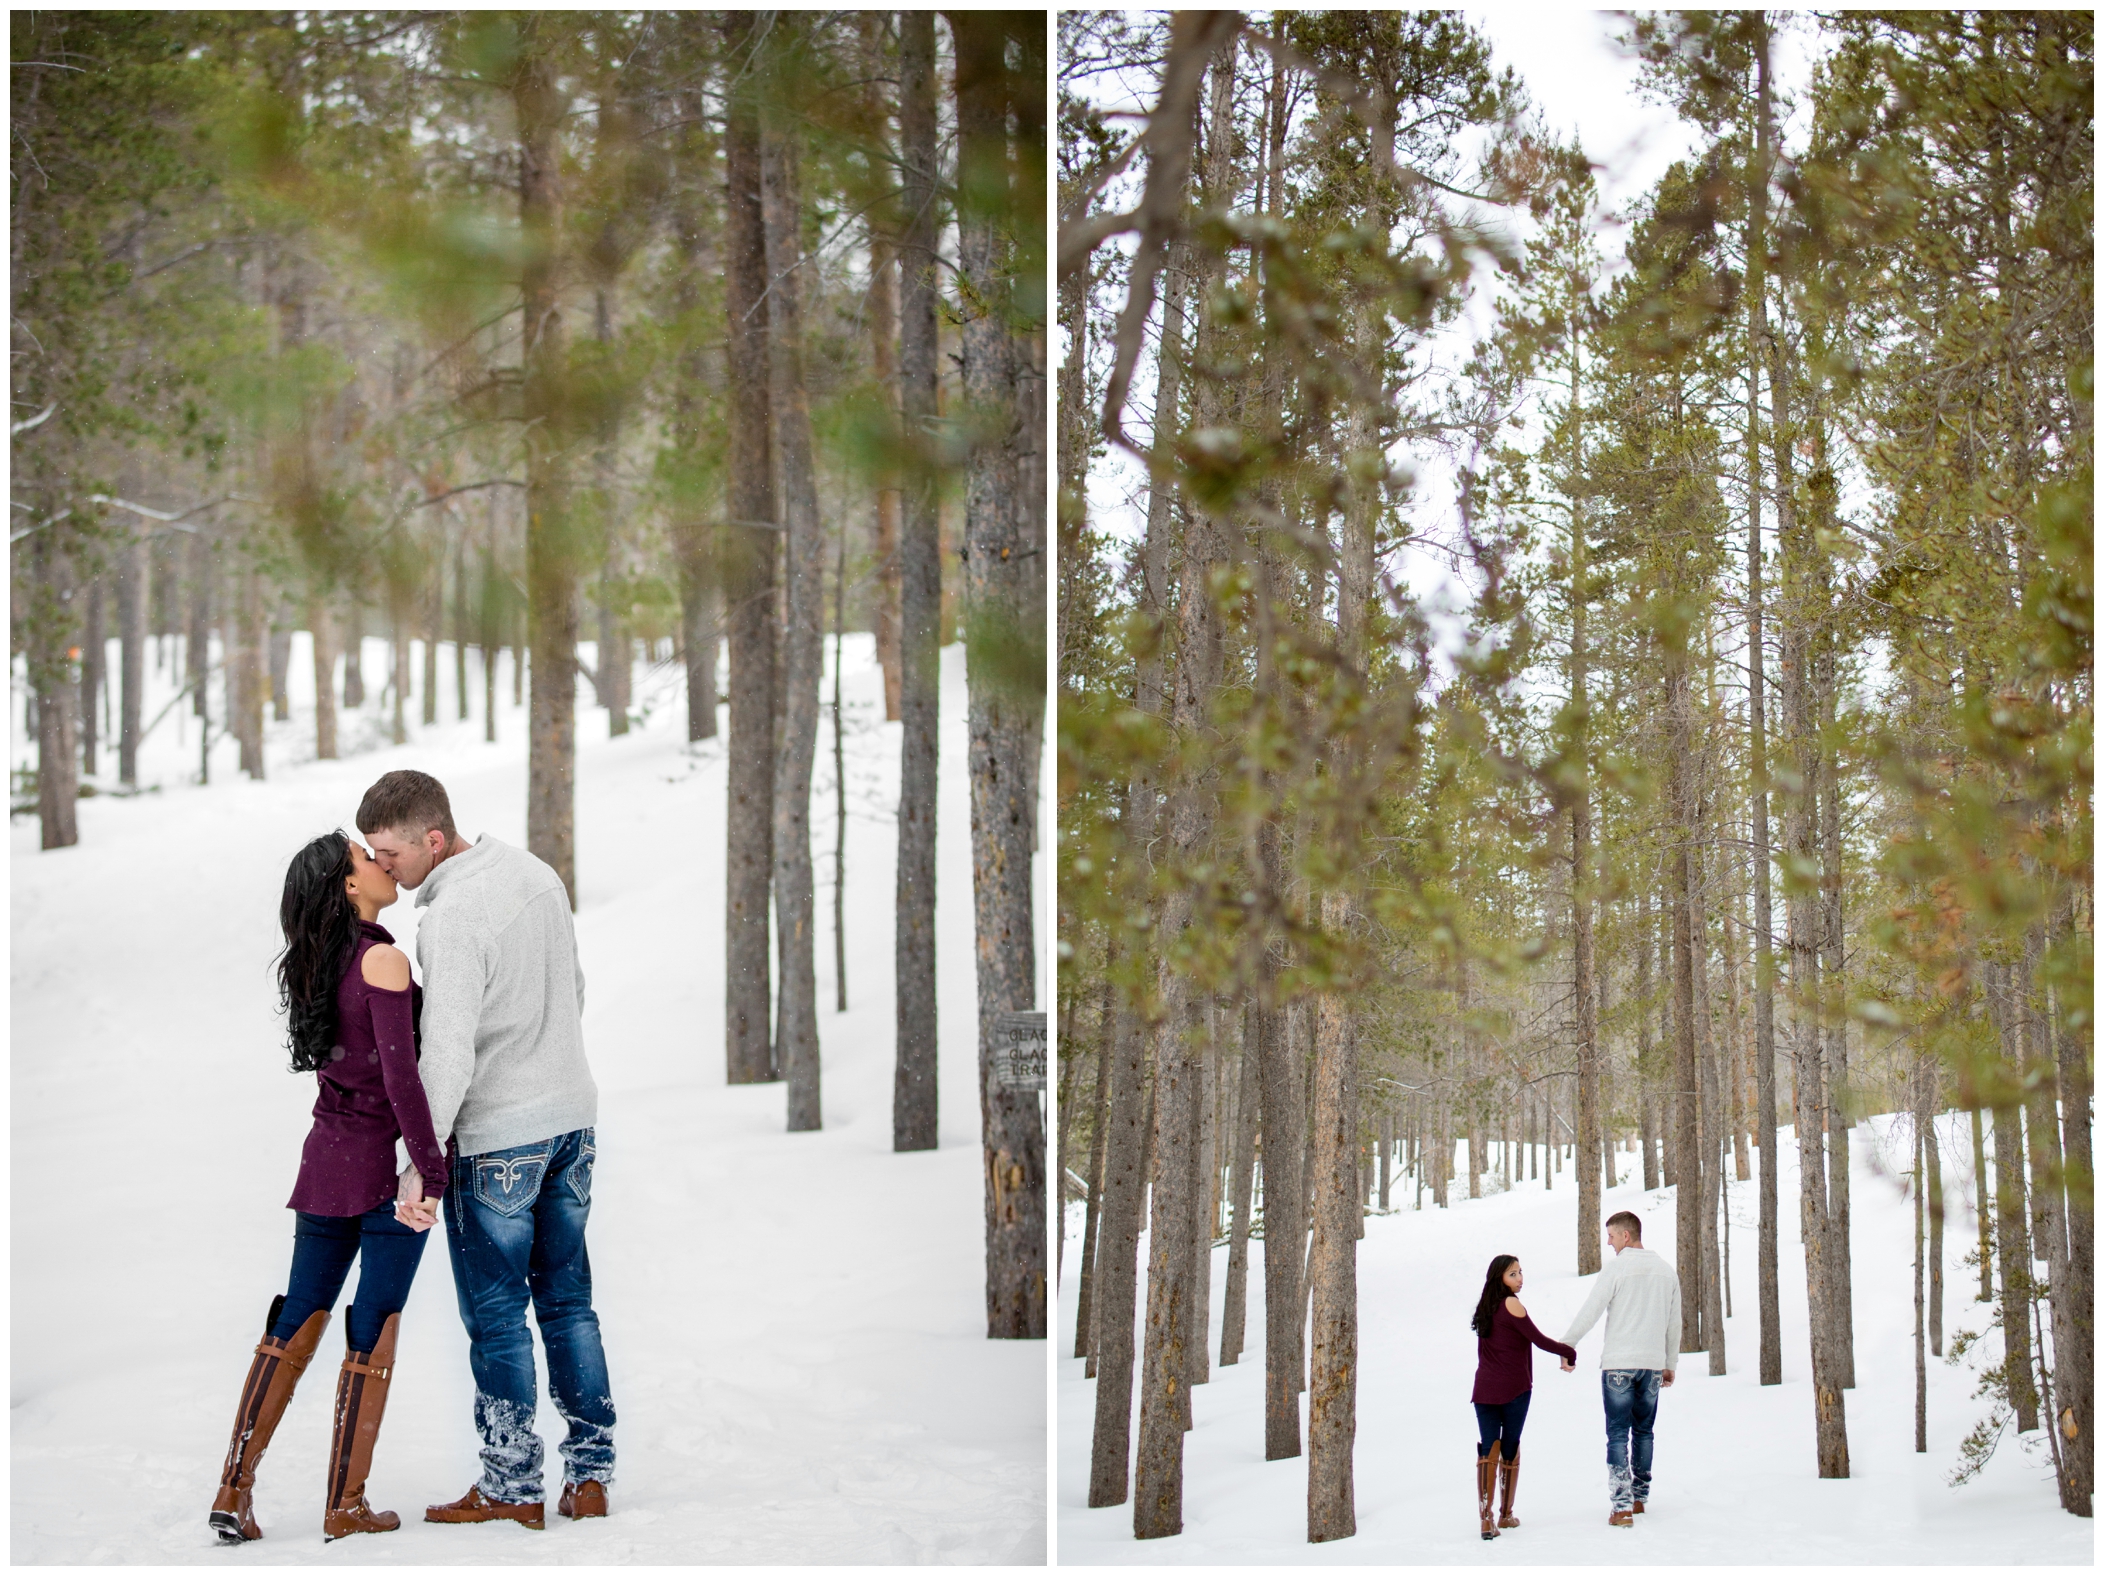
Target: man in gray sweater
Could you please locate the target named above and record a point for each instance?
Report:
(1640, 1295)
(503, 1067)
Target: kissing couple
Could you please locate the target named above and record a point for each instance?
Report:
(481, 1073)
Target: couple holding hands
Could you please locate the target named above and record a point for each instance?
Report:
(481, 1074)
(1640, 1294)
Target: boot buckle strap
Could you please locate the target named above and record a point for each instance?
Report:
(350, 1367)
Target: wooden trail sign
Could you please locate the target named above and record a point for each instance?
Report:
(1018, 1044)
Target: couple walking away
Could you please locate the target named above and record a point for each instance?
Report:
(481, 1074)
(1640, 1295)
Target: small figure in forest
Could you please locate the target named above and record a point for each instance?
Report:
(352, 1011)
(1505, 1342)
(1640, 1295)
(505, 1068)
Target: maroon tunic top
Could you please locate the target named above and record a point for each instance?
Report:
(1505, 1362)
(369, 1092)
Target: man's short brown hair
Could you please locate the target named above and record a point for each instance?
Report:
(1622, 1218)
(406, 801)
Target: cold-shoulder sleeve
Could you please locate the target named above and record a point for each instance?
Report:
(394, 1032)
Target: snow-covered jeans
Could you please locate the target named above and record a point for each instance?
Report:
(515, 1222)
(1631, 1398)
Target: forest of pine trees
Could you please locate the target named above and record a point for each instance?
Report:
(1749, 794)
(499, 334)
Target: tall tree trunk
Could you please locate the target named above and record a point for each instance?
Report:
(884, 362)
(913, 1100)
(1004, 569)
(1285, 1228)
(434, 623)
(1583, 988)
(56, 686)
(616, 661)
(539, 105)
(93, 661)
(1757, 764)
(1934, 1160)
(197, 645)
(461, 709)
(1205, 1184)
(354, 657)
(322, 635)
(2075, 1359)
(1333, 1359)
(803, 643)
(1800, 815)
(1689, 1236)
(1116, 1266)
(245, 706)
(1983, 1211)
(2012, 1208)
(1249, 1083)
(1099, 1139)
(694, 534)
(748, 577)
(131, 628)
(1833, 1015)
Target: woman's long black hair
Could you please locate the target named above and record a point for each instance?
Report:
(1494, 1292)
(321, 936)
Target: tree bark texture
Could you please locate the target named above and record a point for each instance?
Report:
(1333, 1335)
(1004, 568)
(803, 638)
(131, 629)
(1092, 1218)
(913, 1109)
(539, 105)
(1234, 1315)
(749, 588)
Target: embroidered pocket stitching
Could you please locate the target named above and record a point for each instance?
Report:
(580, 1175)
(496, 1180)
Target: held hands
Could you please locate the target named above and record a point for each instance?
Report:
(412, 1209)
(1566, 1364)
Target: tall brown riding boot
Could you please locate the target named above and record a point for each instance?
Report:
(1508, 1486)
(1486, 1482)
(361, 1401)
(272, 1375)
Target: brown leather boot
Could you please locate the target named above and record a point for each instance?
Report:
(580, 1500)
(471, 1506)
(361, 1401)
(1508, 1486)
(1621, 1518)
(1486, 1483)
(272, 1376)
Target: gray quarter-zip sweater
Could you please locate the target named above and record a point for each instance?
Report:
(503, 1042)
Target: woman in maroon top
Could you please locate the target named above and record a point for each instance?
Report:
(1505, 1342)
(353, 1012)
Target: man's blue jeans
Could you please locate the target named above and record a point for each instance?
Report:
(1631, 1397)
(515, 1222)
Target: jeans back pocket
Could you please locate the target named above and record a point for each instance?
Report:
(509, 1180)
(579, 1175)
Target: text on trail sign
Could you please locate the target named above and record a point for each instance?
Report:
(1018, 1047)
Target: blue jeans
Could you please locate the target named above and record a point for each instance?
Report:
(515, 1222)
(1501, 1425)
(1631, 1398)
(323, 1250)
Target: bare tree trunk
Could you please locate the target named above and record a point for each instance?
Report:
(1757, 763)
(131, 626)
(93, 661)
(246, 673)
(1004, 568)
(198, 644)
(56, 687)
(1924, 1141)
(1285, 1228)
(1099, 1139)
(1205, 1175)
(1983, 1212)
(2075, 1358)
(884, 365)
(615, 650)
(321, 628)
(1116, 1267)
(1834, 1021)
(748, 576)
(1333, 1364)
(461, 709)
(913, 1107)
(2012, 1209)
(1687, 1130)
(803, 644)
(539, 104)
(434, 623)
(1249, 1084)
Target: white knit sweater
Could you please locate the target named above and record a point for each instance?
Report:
(503, 1045)
(1640, 1295)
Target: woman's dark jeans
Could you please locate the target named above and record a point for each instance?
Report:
(323, 1248)
(1502, 1424)
(515, 1222)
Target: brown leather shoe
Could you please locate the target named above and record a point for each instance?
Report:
(1508, 1488)
(580, 1500)
(1637, 1509)
(1622, 1518)
(272, 1375)
(471, 1506)
(361, 1401)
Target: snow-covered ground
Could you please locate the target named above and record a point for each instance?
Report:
(794, 1323)
(1735, 1481)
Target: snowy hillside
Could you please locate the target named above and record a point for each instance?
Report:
(1734, 1482)
(794, 1324)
